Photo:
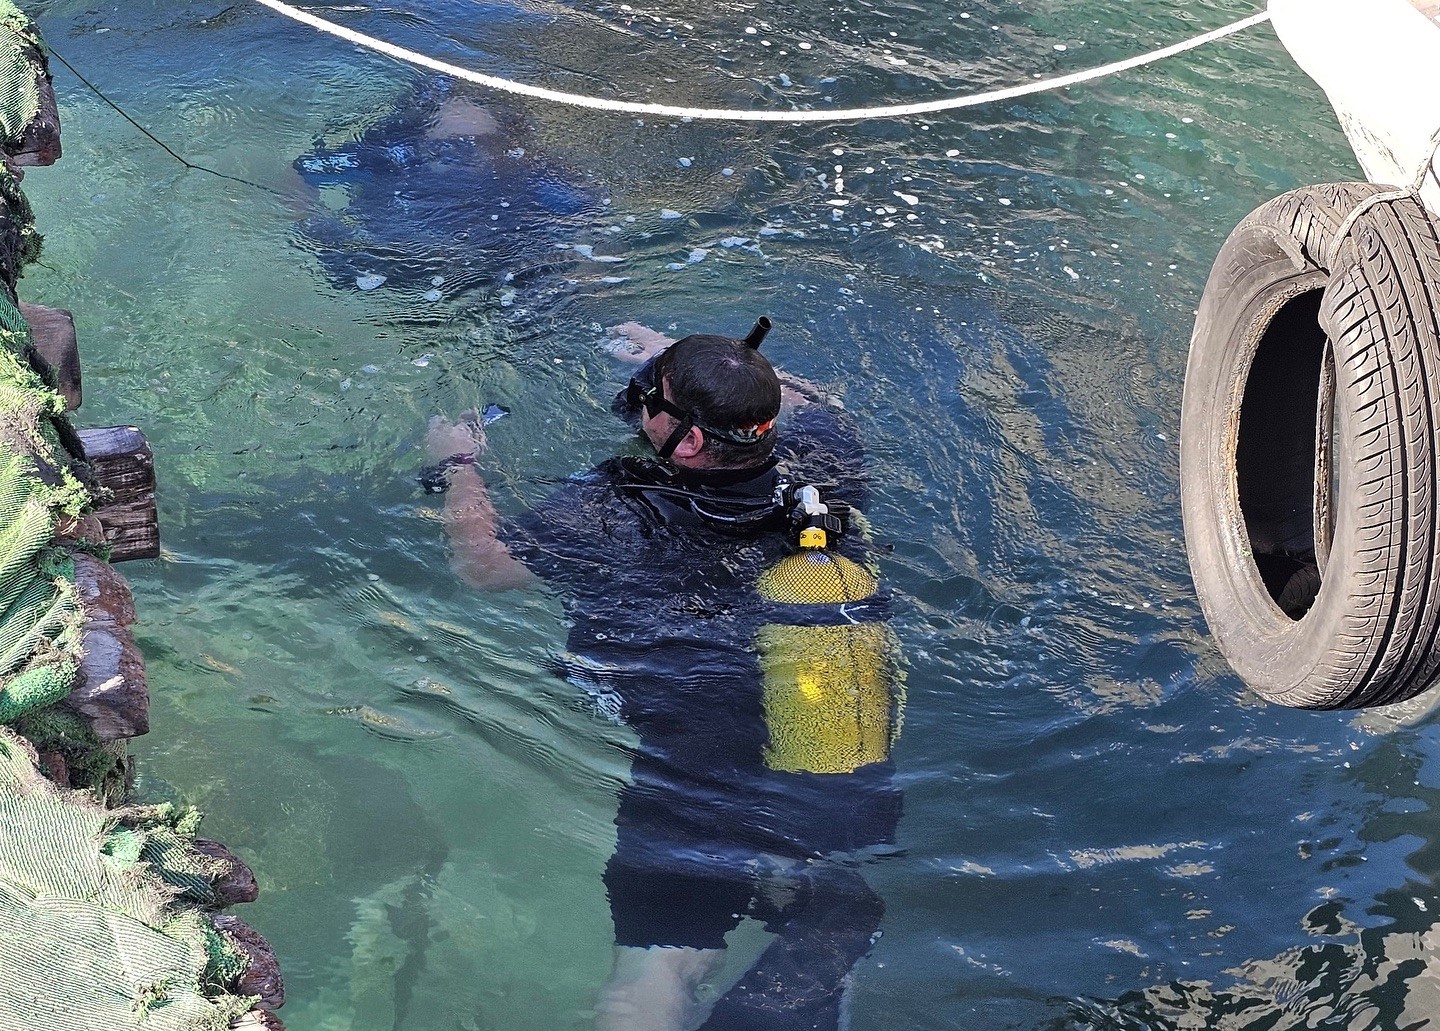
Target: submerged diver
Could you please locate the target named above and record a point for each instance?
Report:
(759, 678)
(435, 194)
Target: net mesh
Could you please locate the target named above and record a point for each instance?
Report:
(40, 615)
(830, 695)
(817, 578)
(93, 935)
(21, 71)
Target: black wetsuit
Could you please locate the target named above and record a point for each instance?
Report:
(661, 590)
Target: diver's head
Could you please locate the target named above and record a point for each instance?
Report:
(729, 395)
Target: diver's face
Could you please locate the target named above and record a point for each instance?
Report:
(659, 421)
(658, 427)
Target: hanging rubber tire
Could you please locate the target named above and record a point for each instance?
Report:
(1309, 449)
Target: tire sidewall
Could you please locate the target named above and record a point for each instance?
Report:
(1256, 273)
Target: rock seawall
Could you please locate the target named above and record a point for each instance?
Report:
(110, 909)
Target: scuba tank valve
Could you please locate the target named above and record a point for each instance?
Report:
(815, 523)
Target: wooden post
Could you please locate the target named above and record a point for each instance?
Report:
(57, 355)
(121, 463)
(237, 883)
(262, 976)
(112, 694)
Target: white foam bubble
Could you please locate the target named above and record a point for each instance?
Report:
(670, 214)
(369, 281)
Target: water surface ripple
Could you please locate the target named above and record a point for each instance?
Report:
(1102, 829)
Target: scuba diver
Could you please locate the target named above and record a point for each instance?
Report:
(435, 194)
(724, 605)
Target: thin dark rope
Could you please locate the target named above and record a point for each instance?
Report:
(152, 137)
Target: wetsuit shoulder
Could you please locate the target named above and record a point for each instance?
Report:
(822, 445)
(580, 530)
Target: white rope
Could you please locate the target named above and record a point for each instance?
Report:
(737, 115)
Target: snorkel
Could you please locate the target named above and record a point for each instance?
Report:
(756, 336)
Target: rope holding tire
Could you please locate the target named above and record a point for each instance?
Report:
(1310, 448)
(1414, 192)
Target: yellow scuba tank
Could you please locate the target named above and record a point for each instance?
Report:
(831, 693)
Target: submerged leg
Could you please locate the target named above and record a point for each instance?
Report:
(655, 988)
(799, 982)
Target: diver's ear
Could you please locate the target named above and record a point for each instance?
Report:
(691, 444)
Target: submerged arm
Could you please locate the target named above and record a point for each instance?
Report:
(478, 555)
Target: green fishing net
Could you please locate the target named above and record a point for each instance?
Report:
(21, 70)
(40, 616)
(97, 932)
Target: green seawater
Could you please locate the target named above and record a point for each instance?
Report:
(1102, 828)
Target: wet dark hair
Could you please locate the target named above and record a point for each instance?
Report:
(727, 385)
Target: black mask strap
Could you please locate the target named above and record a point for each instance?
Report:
(686, 425)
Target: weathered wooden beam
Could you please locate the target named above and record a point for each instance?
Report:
(57, 354)
(112, 694)
(53, 765)
(122, 466)
(262, 975)
(84, 532)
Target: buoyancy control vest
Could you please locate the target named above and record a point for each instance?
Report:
(832, 688)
